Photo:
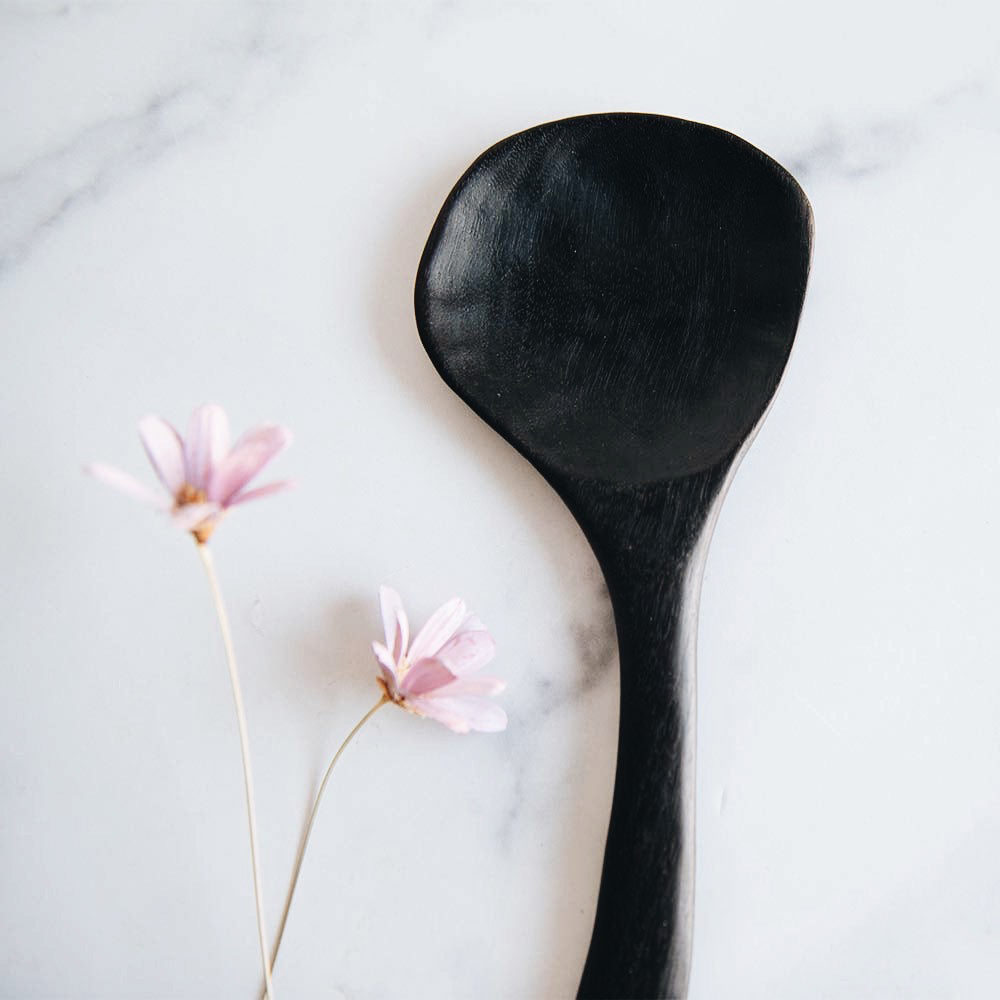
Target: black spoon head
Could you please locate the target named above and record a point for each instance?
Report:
(617, 294)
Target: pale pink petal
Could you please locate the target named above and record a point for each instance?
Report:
(164, 450)
(262, 491)
(124, 482)
(188, 517)
(394, 621)
(468, 650)
(463, 713)
(206, 444)
(472, 623)
(480, 687)
(480, 714)
(423, 677)
(441, 626)
(386, 666)
(439, 712)
(249, 455)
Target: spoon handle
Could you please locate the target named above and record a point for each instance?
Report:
(652, 553)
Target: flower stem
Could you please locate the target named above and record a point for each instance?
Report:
(312, 819)
(227, 641)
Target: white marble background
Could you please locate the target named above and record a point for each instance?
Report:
(227, 201)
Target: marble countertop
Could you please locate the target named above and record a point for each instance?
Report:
(227, 201)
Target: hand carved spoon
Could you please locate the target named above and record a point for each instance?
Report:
(617, 295)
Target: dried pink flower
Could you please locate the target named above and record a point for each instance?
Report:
(429, 676)
(203, 474)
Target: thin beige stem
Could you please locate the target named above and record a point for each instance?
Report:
(312, 819)
(227, 641)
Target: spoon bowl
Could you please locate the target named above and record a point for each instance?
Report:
(617, 295)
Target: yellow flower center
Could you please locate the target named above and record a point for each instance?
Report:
(189, 494)
(402, 668)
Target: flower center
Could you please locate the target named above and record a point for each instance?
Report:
(189, 494)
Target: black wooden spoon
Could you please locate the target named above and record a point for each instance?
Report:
(617, 296)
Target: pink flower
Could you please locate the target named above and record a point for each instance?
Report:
(429, 676)
(203, 474)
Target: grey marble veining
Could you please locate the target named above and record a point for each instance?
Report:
(886, 143)
(249, 62)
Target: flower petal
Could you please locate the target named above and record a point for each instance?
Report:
(387, 668)
(127, 484)
(191, 515)
(394, 621)
(262, 491)
(249, 455)
(479, 687)
(440, 627)
(462, 714)
(423, 677)
(165, 451)
(206, 444)
(472, 623)
(429, 708)
(468, 650)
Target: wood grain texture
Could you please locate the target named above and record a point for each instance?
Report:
(617, 295)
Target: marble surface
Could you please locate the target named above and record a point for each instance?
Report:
(227, 201)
